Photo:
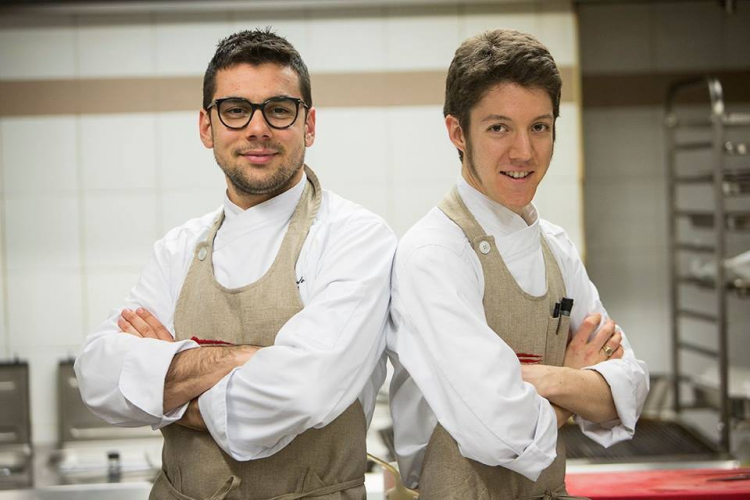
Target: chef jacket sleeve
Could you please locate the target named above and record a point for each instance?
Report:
(323, 356)
(121, 376)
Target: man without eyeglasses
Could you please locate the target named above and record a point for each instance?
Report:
(485, 371)
(254, 337)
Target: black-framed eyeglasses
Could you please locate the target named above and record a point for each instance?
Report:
(279, 112)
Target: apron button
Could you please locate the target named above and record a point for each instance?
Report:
(202, 253)
(485, 247)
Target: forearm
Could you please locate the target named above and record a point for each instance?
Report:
(583, 392)
(195, 371)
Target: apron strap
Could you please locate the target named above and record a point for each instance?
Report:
(326, 490)
(231, 484)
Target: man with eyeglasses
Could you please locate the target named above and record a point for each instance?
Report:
(254, 337)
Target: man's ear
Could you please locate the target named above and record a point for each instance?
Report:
(204, 127)
(310, 127)
(455, 133)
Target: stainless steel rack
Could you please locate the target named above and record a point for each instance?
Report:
(713, 133)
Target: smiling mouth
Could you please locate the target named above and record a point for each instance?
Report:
(259, 157)
(516, 175)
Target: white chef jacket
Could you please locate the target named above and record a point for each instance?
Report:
(323, 358)
(451, 367)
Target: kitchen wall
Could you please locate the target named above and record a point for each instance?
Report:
(98, 160)
(627, 53)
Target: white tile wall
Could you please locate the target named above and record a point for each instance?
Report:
(375, 196)
(183, 162)
(43, 52)
(44, 308)
(621, 213)
(559, 32)
(632, 286)
(566, 158)
(516, 16)
(2, 161)
(186, 48)
(118, 151)
(351, 145)
(121, 46)
(419, 145)
(346, 44)
(120, 228)
(106, 290)
(3, 317)
(293, 26)
(412, 200)
(42, 232)
(624, 142)
(559, 201)
(177, 207)
(39, 154)
(421, 42)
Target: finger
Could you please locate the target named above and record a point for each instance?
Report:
(615, 340)
(139, 324)
(604, 334)
(126, 327)
(588, 325)
(618, 354)
(160, 330)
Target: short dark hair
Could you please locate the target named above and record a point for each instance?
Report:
(495, 57)
(256, 47)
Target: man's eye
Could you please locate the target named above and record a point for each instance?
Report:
(540, 127)
(279, 111)
(235, 111)
(499, 127)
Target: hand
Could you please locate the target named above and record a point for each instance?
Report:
(142, 323)
(581, 352)
(192, 418)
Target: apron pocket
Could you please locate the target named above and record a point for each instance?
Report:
(557, 340)
(163, 489)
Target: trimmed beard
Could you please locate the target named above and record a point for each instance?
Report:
(277, 183)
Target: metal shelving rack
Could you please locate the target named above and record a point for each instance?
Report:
(726, 183)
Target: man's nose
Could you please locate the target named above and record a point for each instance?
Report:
(521, 148)
(257, 126)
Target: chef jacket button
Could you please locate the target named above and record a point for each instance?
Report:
(485, 247)
(202, 253)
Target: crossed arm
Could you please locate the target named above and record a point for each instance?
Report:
(573, 390)
(192, 372)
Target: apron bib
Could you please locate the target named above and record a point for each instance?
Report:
(525, 323)
(327, 463)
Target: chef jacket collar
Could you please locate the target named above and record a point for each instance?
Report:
(486, 209)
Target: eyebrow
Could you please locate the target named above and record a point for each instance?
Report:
(508, 119)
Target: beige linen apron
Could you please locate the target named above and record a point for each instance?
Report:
(525, 323)
(325, 464)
